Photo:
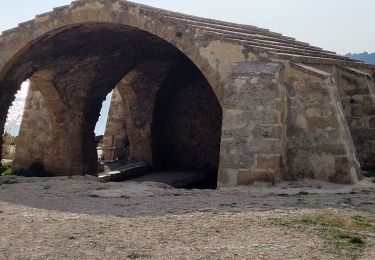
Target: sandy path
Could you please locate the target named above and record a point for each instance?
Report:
(79, 218)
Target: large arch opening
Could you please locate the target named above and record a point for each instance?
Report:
(162, 87)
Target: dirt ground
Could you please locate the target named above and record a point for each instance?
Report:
(81, 218)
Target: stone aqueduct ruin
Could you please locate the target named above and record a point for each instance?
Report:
(191, 94)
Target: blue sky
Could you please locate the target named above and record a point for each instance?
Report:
(338, 25)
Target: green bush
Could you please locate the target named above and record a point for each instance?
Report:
(6, 170)
(36, 169)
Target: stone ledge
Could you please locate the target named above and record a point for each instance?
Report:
(247, 177)
(356, 72)
(311, 70)
(319, 60)
(268, 162)
(127, 172)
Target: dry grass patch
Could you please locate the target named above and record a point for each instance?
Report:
(346, 235)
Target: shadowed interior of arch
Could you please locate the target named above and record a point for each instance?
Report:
(173, 117)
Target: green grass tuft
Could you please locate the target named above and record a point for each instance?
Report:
(6, 170)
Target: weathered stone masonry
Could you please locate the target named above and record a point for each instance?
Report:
(36, 130)
(252, 129)
(256, 106)
(319, 144)
(358, 98)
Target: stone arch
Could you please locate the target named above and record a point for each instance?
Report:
(44, 82)
(138, 90)
(168, 107)
(132, 107)
(41, 136)
(247, 68)
(16, 44)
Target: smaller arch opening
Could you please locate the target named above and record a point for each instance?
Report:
(100, 126)
(13, 124)
(111, 132)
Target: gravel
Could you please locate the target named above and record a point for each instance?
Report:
(80, 218)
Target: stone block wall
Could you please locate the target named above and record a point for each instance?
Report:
(252, 144)
(319, 144)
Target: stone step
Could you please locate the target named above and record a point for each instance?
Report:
(282, 47)
(164, 14)
(309, 53)
(232, 27)
(293, 52)
(278, 48)
(235, 27)
(261, 38)
(125, 172)
(265, 43)
(218, 26)
(61, 8)
(177, 15)
(356, 72)
(179, 179)
(310, 59)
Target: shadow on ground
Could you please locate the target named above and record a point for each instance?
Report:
(88, 196)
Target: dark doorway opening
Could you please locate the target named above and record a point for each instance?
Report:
(186, 129)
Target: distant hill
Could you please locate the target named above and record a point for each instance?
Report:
(365, 56)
